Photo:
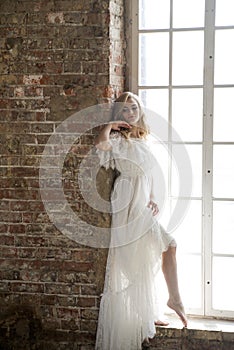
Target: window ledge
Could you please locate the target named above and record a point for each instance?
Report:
(201, 333)
(199, 323)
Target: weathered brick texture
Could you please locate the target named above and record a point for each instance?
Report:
(57, 57)
(190, 339)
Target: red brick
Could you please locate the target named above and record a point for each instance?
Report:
(3, 228)
(17, 228)
(83, 255)
(27, 287)
(89, 326)
(19, 194)
(19, 205)
(86, 302)
(68, 300)
(8, 252)
(67, 313)
(27, 218)
(58, 288)
(71, 324)
(27, 253)
(89, 290)
(48, 299)
(29, 241)
(10, 217)
(4, 287)
(4, 205)
(76, 266)
(32, 79)
(22, 171)
(89, 314)
(30, 276)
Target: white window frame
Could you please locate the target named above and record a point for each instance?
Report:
(207, 141)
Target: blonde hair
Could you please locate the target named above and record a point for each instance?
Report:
(141, 129)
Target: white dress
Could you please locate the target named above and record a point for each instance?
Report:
(129, 304)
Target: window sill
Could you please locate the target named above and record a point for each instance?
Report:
(199, 323)
(201, 333)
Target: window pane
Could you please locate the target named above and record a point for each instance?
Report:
(223, 114)
(156, 103)
(224, 56)
(161, 154)
(223, 171)
(187, 113)
(188, 14)
(154, 14)
(188, 58)
(195, 155)
(188, 236)
(156, 100)
(223, 227)
(154, 59)
(190, 280)
(224, 11)
(223, 286)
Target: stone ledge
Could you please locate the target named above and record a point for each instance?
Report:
(202, 323)
(201, 334)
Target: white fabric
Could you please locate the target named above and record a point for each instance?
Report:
(129, 304)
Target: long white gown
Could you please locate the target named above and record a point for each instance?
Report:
(129, 304)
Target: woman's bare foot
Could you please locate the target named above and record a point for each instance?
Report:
(179, 309)
(161, 323)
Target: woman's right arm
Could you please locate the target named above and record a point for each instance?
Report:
(102, 140)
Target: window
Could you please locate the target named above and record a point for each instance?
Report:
(185, 72)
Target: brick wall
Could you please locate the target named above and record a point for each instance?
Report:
(57, 57)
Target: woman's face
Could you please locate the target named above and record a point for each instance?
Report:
(131, 112)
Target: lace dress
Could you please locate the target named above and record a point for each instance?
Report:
(129, 304)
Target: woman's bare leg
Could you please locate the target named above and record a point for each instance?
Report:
(169, 268)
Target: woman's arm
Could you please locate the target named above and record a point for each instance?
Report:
(102, 140)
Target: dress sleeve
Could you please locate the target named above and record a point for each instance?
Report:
(107, 158)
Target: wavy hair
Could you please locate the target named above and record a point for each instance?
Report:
(141, 129)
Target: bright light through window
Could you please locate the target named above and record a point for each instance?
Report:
(224, 12)
(224, 114)
(224, 56)
(188, 14)
(154, 14)
(187, 68)
(185, 73)
(153, 68)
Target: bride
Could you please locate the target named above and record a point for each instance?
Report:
(139, 245)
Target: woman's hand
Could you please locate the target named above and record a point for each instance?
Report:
(102, 140)
(116, 125)
(154, 207)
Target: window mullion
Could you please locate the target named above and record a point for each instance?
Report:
(133, 45)
(208, 151)
(170, 106)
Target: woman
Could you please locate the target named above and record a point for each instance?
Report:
(139, 244)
